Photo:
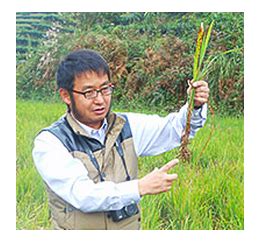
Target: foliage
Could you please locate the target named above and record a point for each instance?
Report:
(33, 27)
(150, 55)
(209, 194)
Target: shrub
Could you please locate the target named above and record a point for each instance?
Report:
(150, 56)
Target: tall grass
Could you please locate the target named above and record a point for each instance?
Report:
(209, 194)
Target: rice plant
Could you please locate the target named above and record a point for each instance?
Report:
(198, 73)
(208, 194)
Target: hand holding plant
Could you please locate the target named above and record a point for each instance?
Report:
(198, 74)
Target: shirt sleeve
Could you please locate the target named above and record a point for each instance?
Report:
(153, 135)
(68, 178)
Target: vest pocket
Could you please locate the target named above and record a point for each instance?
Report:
(63, 219)
(89, 221)
(69, 218)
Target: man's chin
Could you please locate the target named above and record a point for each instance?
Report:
(99, 117)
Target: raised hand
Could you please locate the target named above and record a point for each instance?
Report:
(158, 180)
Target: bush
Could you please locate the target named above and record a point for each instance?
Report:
(150, 56)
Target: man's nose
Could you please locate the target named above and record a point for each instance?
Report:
(99, 98)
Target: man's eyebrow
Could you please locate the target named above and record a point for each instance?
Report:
(88, 87)
(105, 83)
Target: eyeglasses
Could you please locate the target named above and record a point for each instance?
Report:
(92, 93)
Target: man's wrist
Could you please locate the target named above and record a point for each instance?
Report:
(141, 188)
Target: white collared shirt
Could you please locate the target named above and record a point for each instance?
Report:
(98, 134)
(68, 177)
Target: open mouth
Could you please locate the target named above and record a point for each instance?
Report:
(99, 111)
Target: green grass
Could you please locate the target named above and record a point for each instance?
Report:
(209, 193)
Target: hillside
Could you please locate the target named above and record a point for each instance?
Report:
(32, 28)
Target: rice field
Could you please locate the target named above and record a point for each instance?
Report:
(208, 195)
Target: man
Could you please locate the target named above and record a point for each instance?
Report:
(88, 158)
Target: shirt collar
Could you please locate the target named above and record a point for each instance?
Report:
(91, 131)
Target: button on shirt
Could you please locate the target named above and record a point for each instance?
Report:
(68, 177)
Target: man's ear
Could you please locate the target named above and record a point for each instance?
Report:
(64, 94)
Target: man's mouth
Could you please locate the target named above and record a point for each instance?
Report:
(99, 111)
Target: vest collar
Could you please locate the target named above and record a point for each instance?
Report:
(78, 129)
(91, 131)
(115, 124)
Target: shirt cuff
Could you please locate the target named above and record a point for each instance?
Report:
(200, 113)
(130, 192)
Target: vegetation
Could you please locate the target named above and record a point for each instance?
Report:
(198, 74)
(33, 28)
(150, 56)
(209, 194)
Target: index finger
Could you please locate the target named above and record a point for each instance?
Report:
(169, 165)
(199, 83)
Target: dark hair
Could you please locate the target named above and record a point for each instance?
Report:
(78, 62)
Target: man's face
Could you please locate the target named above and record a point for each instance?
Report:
(91, 112)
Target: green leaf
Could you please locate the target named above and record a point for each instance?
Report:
(205, 43)
(197, 52)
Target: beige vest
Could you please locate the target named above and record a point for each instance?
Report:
(65, 216)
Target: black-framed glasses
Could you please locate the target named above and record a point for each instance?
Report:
(93, 93)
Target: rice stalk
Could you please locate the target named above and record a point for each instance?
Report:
(184, 153)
